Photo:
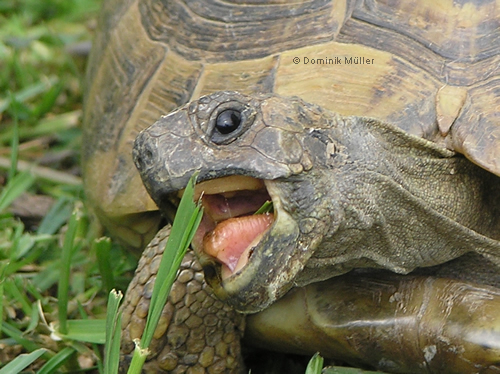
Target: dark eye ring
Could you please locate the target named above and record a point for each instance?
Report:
(228, 121)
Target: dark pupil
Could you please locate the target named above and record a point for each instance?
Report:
(228, 121)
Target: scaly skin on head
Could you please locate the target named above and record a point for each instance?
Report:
(348, 192)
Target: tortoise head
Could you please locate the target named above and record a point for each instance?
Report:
(247, 150)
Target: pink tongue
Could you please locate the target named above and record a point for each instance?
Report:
(230, 238)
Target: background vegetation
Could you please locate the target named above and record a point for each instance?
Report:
(45, 233)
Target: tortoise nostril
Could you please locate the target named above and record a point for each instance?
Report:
(143, 155)
(147, 156)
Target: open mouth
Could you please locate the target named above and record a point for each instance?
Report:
(230, 229)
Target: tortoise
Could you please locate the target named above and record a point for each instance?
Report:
(299, 103)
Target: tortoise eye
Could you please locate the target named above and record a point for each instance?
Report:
(228, 121)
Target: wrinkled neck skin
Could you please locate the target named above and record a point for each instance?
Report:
(379, 198)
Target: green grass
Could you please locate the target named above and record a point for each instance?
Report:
(40, 108)
(184, 227)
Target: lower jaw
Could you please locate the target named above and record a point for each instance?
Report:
(227, 272)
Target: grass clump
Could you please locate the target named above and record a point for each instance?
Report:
(40, 105)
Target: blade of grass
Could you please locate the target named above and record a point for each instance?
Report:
(138, 358)
(16, 238)
(3, 266)
(43, 172)
(267, 207)
(85, 330)
(48, 100)
(56, 217)
(48, 277)
(34, 317)
(57, 361)
(113, 333)
(29, 92)
(95, 347)
(46, 126)
(14, 266)
(22, 361)
(14, 292)
(63, 287)
(16, 186)
(102, 247)
(17, 335)
(185, 224)
(14, 144)
(315, 365)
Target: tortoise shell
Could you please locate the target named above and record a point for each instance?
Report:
(430, 68)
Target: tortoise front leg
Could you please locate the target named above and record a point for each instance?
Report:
(197, 333)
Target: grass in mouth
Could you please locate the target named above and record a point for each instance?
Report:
(267, 207)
